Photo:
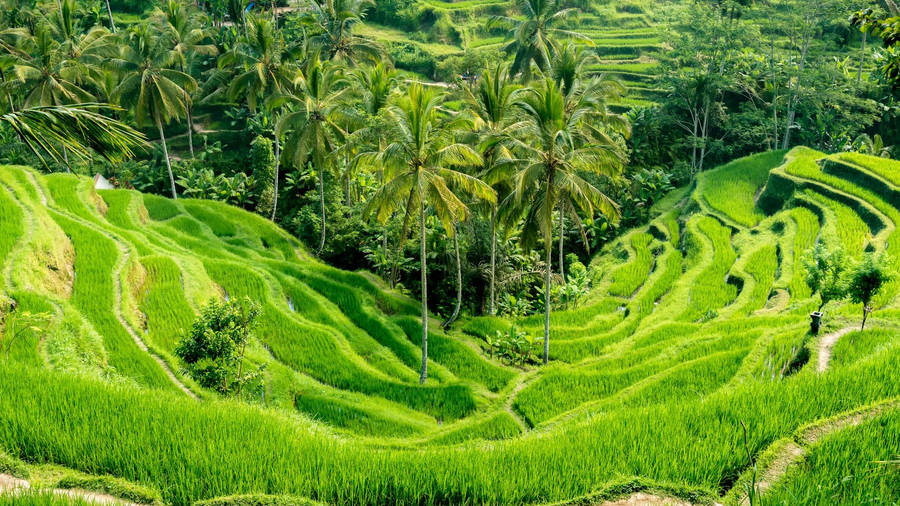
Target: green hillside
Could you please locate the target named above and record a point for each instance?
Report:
(696, 326)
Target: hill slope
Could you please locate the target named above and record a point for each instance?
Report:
(696, 323)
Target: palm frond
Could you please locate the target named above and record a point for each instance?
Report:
(78, 128)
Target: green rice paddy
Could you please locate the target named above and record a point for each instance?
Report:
(696, 325)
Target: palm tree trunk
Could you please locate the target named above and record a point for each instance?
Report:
(549, 248)
(112, 24)
(456, 308)
(322, 209)
(190, 125)
(794, 97)
(892, 6)
(347, 191)
(347, 182)
(66, 158)
(162, 138)
(562, 231)
(388, 272)
(493, 257)
(12, 107)
(774, 96)
(562, 260)
(862, 59)
(277, 164)
(424, 295)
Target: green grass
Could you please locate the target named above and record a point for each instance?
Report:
(851, 232)
(676, 344)
(807, 228)
(168, 312)
(41, 498)
(710, 291)
(630, 276)
(731, 189)
(885, 168)
(278, 454)
(856, 465)
(93, 295)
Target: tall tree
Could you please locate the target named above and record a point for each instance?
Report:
(332, 23)
(58, 64)
(188, 39)
(867, 279)
(562, 141)
(375, 84)
(541, 21)
(568, 71)
(45, 77)
(806, 28)
(155, 92)
(421, 178)
(316, 106)
(259, 65)
(492, 106)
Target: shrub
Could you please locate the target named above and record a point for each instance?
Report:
(824, 273)
(262, 165)
(411, 57)
(514, 347)
(214, 348)
(866, 280)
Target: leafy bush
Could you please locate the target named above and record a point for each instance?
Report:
(410, 56)
(514, 347)
(824, 273)
(12, 467)
(214, 348)
(867, 279)
(110, 485)
(262, 168)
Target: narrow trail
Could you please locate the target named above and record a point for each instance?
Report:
(826, 343)
(646, 499)
(125, 255)
(22, 244)
(10, 485)
(794, 452)
(37, 186)
(117, 284)
(523, 381)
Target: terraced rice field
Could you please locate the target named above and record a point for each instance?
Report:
(696, 326)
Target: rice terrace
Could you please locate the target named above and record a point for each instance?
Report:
(449, 252)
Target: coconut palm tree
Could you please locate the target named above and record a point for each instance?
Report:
(57, 65)
(533, 32)
(569, 64)
(112, 22)
(492, 105)
(43, 77)
(375, 84)
(565, 137)
(420, 178)
(188, 39)
(79, 128)
(332, 22)
(316, 107)
(155, 92)
(259, 65)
